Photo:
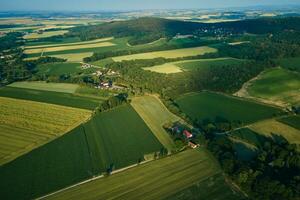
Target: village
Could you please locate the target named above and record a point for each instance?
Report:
(106, 78)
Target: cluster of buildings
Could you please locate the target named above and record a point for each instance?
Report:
(182, 131)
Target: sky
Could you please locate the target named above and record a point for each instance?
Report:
(100, 5)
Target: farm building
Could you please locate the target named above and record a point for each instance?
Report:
(187, 134)
(193, 145)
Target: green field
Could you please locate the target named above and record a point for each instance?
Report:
(154, 180)
(277, 130)
(277, 85)
(207, 105)
(175, 67)
(292, 64)
(59, 98)
(155, 114)
(41, 85)
(293, 121)
(25, 125)
(57, 69)
(177, 53)
(118, 137)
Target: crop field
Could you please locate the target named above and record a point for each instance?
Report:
(41, 85)
(44, 34)
(68, 43)
(118, 137)
(168, 54)
(154, 180)
(277, 85)
(213, 188)
(293, 121)
(207, 105)
(59, 98)
(68, 47)
(175, 67)
(292, 64)
(277, 130)
(149, 108)
(26, 125)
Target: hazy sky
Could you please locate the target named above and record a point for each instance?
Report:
(77, 5)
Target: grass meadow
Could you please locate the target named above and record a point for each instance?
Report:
(277, 85)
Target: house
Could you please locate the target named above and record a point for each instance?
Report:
(193, 145)
(187, 134)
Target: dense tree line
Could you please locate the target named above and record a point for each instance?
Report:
(113, 102)
(144, 30)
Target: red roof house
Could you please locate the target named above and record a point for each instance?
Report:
(187, 134)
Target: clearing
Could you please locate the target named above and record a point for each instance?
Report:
(25, 125)
(180, 66)
(293, 121)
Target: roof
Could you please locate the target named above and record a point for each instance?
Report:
(187, 134)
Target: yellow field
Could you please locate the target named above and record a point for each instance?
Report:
(72, 47)
(273, 127)
(70, 44)
(45, 34)
(74, 57)
(155, 114)
(177, 53)
(26, 125)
